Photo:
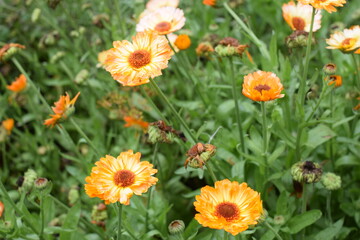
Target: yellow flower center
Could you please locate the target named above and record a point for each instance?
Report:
(298, 23)
(162, 27)
(124, 178)
(348, 43)
(262, 87)
(139, 58)
(227, 210)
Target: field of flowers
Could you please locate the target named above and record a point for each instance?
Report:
(180, 119)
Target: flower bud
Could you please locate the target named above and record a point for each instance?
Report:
(331, 181)
(35, 15)
(40, 183)
(73, 195)
(176, 227)
(308, 172)
(182, 42)
(81, 76)
(199, 154)
(329, 69)
(9, 50)
(297, 39)
(28, 181)
(336, 27)
(279, 220)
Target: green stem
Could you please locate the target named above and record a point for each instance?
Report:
(328, 206)
(303, 206)
(332, 160)
(179, 118)
(307, 60)
(85, 136)
(265, 137)
(273, 230)
(226, 235)
(146, 95)
(42, 213)
(356, 68)
(249, 32)
(237, 110)
(211, 172)
(120, 206)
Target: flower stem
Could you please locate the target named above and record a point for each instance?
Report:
(303, 206)
(42, 213)
(177, 115)
(78, 128)
(307, 60)
(249, 32)
(211, 172)
(328, 207)
(265, 137)
(119, 206)
(332, 160)
(356, 69)
(273, 230)
(237, 111)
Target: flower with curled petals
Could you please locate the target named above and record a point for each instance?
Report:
(262, 86)
(18, 85)
(117, 179)
(132, 64)
(328, 5)
(164, 20)
(298, 16)
(346, 41)
(230, 206)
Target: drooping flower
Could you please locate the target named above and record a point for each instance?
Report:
(328, 5)
(335, 80)
(298, 16)
(63, 108)
(346, 41)
(18, 85)
(262, 86)
(164, 20)
(8, 125)
(136, 122)
(132, 64)
(307, 172)
(153, 5)
(230, 206)
(9, 50)
(117, 179)
(182, 42)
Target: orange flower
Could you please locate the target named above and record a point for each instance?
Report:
(211, 3)
(2, 207)
(102, 58)
(357, 51)
(230, 206)
(298, 16)
(262, 86)
(9, 49)
(135, 122)
(8, 125)
(18, 85)
(117, 179)
(346, 41)
(62, 109)
(328, 5)
(334, 80)
(132, 64)
(182, 42)
(164, 20)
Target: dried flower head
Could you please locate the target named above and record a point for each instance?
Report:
(160, 132)
(308, 172)
(163, 21)
(298, 16)
(298, 39)
(230, 206)
(328, 5)
(204, 49)
(63, 108)
(199, 154)
(262, 86)
(132, 64)
(18, 85)
(117, 179)
(346, 41)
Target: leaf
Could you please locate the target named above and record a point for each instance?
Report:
(71, 222)
(237, 171)
(278, 151)
(330, 232)
(191, 230)
(319, 135)
(299, 222)
(347, 160)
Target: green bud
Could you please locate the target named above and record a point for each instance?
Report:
(35, 15)
(331, 181)
(176, 227)
(81, 76)
(225, 51)
(40, 183)
(57, 56)
(329, 69)
(297, 39)
(73, 195)
(279, 220)
(28, 183)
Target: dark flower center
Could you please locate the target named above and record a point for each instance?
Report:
(227, 210)
(162, 27)
(298, 23)
(262, 87)
(139, 58)
(124, 178)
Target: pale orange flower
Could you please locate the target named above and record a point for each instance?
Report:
(102, 56)
(2, 207)
(230, 206)
(132, 64)
(117, 179)
(298, 16)
(328, 5)
(164, 20)
(153, 5)
(8, 125)
(346, 41)
(62, 109)
(262, 86)
(335, 80)
(9, 49)
(135, 122)
(18, 85)
(182, 42)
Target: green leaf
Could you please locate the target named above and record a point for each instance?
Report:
(192, 230)
(347, 160)
(71, 222)
(299, 222)
(330, 232)
(319, 135)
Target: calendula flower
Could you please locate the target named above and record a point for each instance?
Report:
(334, 80)
(262, 86)
(63, 108)
(132, 64)
(18, 85)
(135, 122)
(298, 16)
(153, 5)
(182, 42)
(8, 125)
(164, 20)
(346, 41)
(117, 179)
(9, 50)
(211, 3)
(328, 5)
(102, 58)
(230, 206)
